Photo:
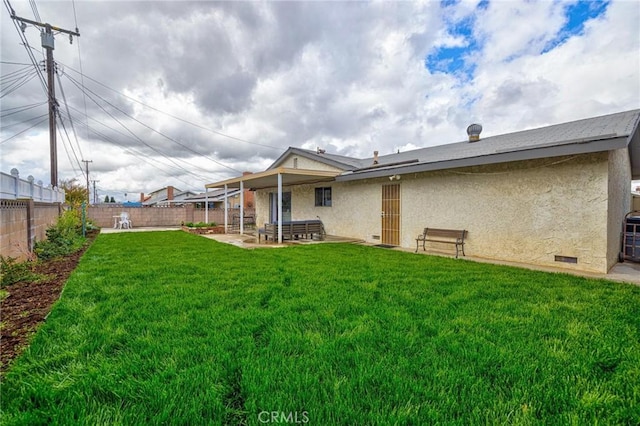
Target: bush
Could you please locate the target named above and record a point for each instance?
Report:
(199, 224)
(65, 237)
(12, 271)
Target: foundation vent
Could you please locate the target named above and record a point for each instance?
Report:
(566, 259)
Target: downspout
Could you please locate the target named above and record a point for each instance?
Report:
(206, 205)
(226, 208)
(241, 207)
(279, 208)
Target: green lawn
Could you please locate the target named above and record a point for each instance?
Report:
(173, 328)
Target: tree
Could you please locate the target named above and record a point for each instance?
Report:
(75, 193)
(113, 200)
(106, 198)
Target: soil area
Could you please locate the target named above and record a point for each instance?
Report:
(28, 304)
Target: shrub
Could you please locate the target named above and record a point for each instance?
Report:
(200, 224)
(63, 238)
(12, 271)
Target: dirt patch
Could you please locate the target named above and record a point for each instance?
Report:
(28, 304)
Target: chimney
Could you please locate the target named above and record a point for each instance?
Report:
(375, 157)
(141, 197)
(474, 131)
(169, 193)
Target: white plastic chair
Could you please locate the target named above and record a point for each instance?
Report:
(125, 222)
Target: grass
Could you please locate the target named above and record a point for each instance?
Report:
(178, 329)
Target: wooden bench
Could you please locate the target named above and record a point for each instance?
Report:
(447, 236)
(292, 230)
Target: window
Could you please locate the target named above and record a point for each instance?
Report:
(323, 197)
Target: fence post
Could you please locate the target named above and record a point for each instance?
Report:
(31, 225)
(40, 190)
(16, 178)
(30, 179)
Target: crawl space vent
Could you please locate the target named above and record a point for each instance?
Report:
(566, 259)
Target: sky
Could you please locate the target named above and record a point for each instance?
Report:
(188, 93)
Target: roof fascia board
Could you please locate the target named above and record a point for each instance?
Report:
(521, 155)
(271, 172)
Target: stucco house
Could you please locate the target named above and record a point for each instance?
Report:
(553, 196)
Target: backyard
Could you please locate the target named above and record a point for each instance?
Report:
(173, 328)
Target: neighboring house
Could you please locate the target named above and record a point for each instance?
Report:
(165, 197)
(552, 196)
(215, 199)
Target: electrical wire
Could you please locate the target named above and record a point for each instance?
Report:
(154, 130)
(64, 99)
(28, 48)
(134, 135)
(132, 151)
(20, 109)
(182, 169)
(23, 122)
(70, 144)
(176, 117)
(84, 98)
(19, 133)
(16, 84)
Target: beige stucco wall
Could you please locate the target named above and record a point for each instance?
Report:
(307, 163)
(528, 211)
(619, 200)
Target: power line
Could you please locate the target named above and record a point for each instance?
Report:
(152, 129)
(26, 45)
(25, 130)
(127, 129)
(176, 117)
(64, 98)
(84, 98)
(22, 122)
(143, 157)
(69, 139)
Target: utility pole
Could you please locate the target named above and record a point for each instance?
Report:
(95, 193)
(46, 37)
(86, 163)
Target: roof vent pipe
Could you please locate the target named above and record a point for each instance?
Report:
(375, 157)
(474, 131)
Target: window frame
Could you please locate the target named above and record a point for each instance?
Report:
(320, 196)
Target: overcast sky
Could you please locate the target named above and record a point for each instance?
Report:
(188, 93)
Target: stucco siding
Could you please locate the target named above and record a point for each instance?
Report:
(619, 198)
(528, 211)
(306, 163)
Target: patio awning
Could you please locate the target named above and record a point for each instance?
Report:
(272, 178)
(269, 178)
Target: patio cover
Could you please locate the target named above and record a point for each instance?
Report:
(278, 177)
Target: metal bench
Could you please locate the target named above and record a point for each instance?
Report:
(446, 236)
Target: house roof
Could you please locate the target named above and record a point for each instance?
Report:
(177, 197)
(604, 133)
(597, 134)
(340, 161)
(211, 196)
